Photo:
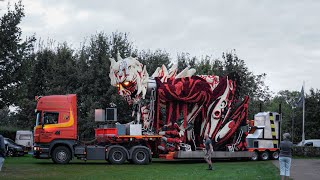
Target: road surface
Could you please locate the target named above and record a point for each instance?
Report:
(304, 169)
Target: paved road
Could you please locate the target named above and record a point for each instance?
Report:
(304, 169)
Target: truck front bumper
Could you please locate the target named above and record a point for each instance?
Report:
(41, 152)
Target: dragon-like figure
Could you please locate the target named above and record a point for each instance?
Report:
(182, 107)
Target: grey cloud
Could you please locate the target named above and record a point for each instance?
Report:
(280, 38)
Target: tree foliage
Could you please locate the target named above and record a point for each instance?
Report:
(292, 115)
(13, 54)
(152, 60)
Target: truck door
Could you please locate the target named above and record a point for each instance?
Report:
(49, 129)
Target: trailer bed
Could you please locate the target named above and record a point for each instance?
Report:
(198, 154)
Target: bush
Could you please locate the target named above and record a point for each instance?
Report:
(306, 151)
(8, 132)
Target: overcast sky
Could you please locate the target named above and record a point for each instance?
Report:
(279, 38)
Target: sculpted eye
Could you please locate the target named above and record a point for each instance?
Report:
(126, 83)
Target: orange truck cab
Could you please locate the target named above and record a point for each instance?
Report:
(56, 124)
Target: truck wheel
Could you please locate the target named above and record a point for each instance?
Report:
(255, 156)
(117, 156)
(61, 155)
(275, 155)
(140, 156)
(265, 156)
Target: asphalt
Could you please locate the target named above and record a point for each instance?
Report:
(304, 169)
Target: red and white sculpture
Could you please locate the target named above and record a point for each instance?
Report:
(193, 105)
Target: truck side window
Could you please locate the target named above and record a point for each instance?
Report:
(38, 119)
(51, 118)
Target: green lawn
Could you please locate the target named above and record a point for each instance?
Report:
(29, 168)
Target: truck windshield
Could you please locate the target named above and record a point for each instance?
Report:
(38, 116)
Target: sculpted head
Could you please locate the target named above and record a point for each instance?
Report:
(130, 77)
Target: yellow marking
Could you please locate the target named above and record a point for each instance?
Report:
(271, 118)
(60, 125)
(272, 126)
(274, 134)
(275, 142)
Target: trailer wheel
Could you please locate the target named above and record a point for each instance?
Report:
(140, 156)
(265, 156)
(255, 156)
(61, 155)
(117, 156)
(275, 155)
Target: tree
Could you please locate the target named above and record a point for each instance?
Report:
(292, 115)
(289, 112)
(13, 54)
(247, 83)
(61, 74)
(312, 114)
(118, 43)
(93, 88)
(184, 60)
(4, 116)
(209, 66)
(155, 59)
(37, 82)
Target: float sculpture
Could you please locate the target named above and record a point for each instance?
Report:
(182, 107)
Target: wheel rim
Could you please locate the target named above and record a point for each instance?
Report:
(275, 155)
(255, 156)
(10, 153)
(61, 156)
(117, 155)
(141, 156)
(264, 156)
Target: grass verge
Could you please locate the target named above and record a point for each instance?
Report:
(29, 168)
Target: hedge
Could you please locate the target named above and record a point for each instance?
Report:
(306, 151)
(8, 132)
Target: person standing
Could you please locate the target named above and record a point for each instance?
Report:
(285, 156)
(208, 151)
(2, 151)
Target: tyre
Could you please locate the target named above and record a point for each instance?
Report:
(61, 155)
(275, 155)
(255, 156)
(140, 156)
(117, 156)
(265, 156)
(10, 153)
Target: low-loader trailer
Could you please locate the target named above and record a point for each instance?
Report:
(56, 137)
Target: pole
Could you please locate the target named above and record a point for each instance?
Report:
(280, 125)
(260, 107)
(303, 113)
(292, 125)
